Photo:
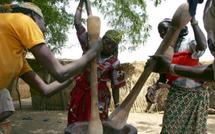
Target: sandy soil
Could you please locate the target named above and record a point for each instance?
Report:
(54, 122)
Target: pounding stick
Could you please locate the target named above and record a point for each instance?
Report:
(93, 28)
(180, 18)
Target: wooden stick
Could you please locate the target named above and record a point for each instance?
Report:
(93, 28)
(179, 20)
(95, 125)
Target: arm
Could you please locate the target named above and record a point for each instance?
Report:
(201, 72)
(63, 72)
(31, 37)
(115, 94)
(78, 14)
(36, 82)
(81, 31)
(117, 81)
(199, 36)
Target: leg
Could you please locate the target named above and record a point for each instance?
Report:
(115, 93)
(6, 105)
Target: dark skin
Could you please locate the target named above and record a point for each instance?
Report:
(108, 46)
(199, 36)
(62, 73)
(202, 72)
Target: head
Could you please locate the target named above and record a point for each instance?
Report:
(33, 11)
(110, 41)
(164, 25)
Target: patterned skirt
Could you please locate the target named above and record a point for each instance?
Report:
(186, 111)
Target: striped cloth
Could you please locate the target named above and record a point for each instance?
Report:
(186, 111)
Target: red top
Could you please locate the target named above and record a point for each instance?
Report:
(182, 58)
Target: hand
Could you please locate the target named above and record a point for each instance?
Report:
(162, 63)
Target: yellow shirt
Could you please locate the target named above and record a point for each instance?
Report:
(17, 32)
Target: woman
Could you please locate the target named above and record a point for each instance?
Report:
(108, 70)
(187, 101)
(163, 81)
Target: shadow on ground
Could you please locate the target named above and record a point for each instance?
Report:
(54, 122)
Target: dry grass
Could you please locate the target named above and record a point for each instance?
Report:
(133, 71)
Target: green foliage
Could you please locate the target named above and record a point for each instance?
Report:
(58, 21)
(129, 16)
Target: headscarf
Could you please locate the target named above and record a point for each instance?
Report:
(25, 7)
(114, 35)
(32, 7)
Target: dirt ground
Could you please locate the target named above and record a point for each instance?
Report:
(54, 122)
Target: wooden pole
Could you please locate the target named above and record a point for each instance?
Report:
(93, 28)
(180, 19)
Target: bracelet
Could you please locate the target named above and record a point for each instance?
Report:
(194, 23)
(172, 68)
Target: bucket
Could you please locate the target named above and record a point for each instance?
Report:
(82, 128)
(6, 126)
